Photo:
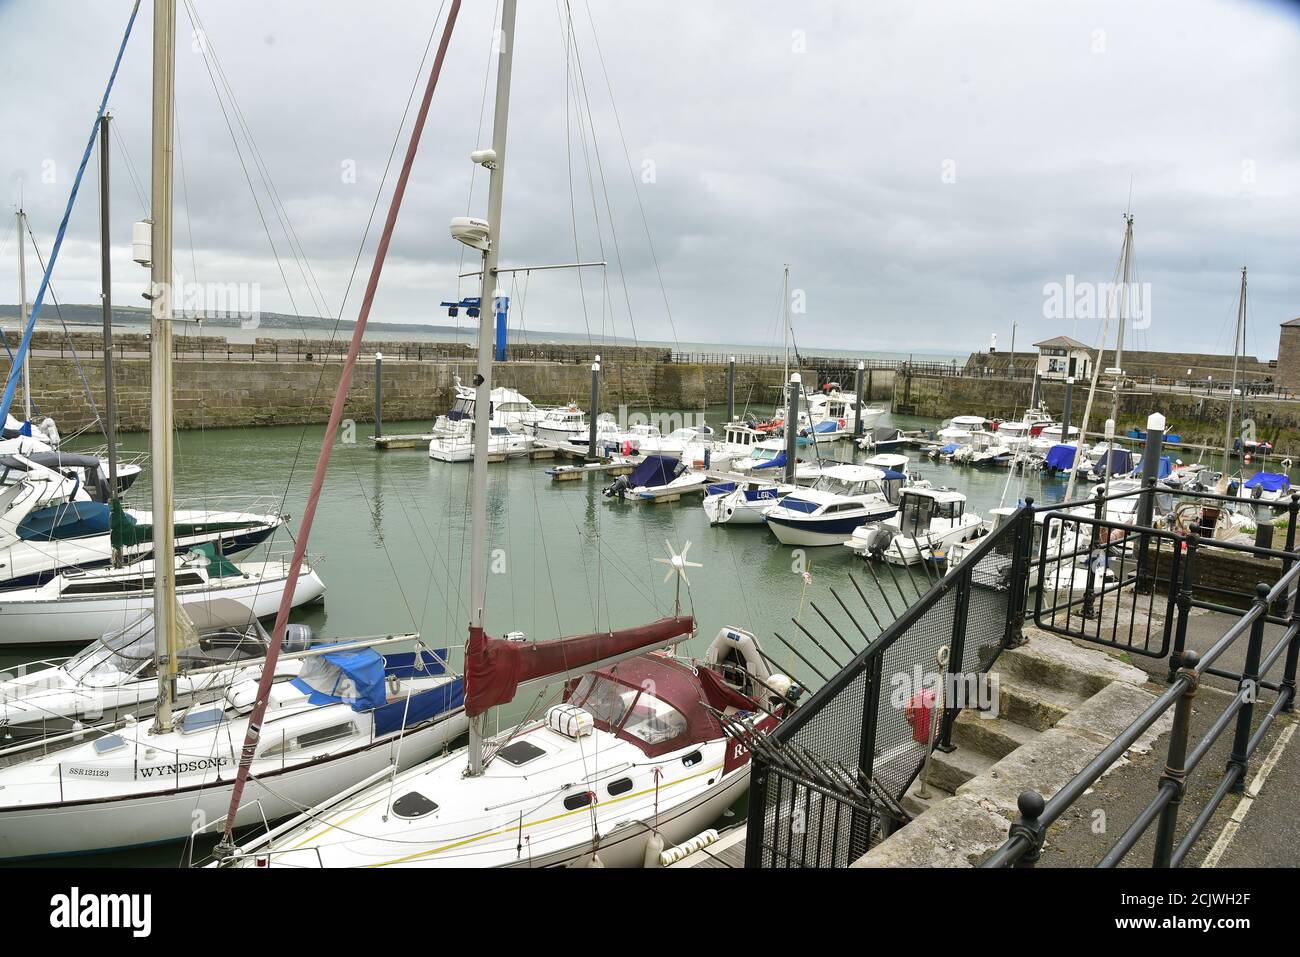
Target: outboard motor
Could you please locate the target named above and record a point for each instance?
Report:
(880, 539)
(297, 638)
(616, 488)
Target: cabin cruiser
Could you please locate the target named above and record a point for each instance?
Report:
(567, 425)
(656, 478)
(77, 605)
(983, 448)
(843, 498)
(693, 445)
(459, 446)
(509, 408)
(1054, 435)
(48, 522)
(928, 521)
(958, 429)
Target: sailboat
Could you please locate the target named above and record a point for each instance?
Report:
(635, 755)
(329, 716)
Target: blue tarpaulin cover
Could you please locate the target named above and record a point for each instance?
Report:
(421, 707)
(1269, 482)
(949, 448)
(355, 677)
(826, 425)
(654, 470)
(1121, 461)
(1060, 456)
(775, 462)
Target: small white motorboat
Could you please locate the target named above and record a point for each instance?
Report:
(928, 522)
(842, 499)
(459, 446)
(657, 478)
(743, 502)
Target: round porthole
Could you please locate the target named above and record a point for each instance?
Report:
(413, 804)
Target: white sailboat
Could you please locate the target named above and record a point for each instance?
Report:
(635, 756)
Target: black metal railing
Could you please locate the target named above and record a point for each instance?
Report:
(1122, 561)
(826, 785)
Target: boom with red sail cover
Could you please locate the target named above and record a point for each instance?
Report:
(496, 667)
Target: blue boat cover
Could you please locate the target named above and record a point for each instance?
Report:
(720, 488)
(892, 476)
(1120, 461)
(826, 425)
(799, 504)
(1060, 456)
(777, 461)
(1269, 482)
(949, 448)
(402, 664)
(654, 470)
(65, 521)
(354, 676)
(421, 707)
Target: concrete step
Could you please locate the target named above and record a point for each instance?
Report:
(1033, 704)
(994, 736)
(1059, 663)
(950, 771)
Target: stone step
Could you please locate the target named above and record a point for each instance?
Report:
(1059, 663)
(994, 736)
(950, 771)
(1033, 704)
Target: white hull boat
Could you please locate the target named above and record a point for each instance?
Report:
(844, 498)
(77, 607)
(928, 523)
(459, 447)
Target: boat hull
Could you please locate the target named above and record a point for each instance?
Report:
(814, 532)
(120, 823)
(73, 620)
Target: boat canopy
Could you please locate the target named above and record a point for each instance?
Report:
(949, 448)
(354, 676)
(654, 471)
(1118, 461)
(826, 425)
(775, 461)
(1060, 456)
(1269, 481)
(70, 520)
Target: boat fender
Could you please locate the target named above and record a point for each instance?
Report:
(654, 849)
(297, 637)
(674, 854)
(590, 859)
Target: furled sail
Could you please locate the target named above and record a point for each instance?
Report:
(495, 668)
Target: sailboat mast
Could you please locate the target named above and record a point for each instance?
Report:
(1125, 257)
(785, 323)
(22, 309)
(483, 377)
(1238, 345)
(160, 364)
(106, 294)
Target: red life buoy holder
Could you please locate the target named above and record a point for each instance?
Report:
(917, 714)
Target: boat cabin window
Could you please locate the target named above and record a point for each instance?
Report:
(654, 721)
(916, 513)
(309, 739)
(608, 701)
(575, 801)
(621, 786)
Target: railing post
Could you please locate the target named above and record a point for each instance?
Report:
(1089, 596)
(1291, 509)
(1175, 774)
(1292, 654)
(956, 653)
(1031, 806)
(1250, 685)
(1188, 559)
(757, 813)
(1021, 563)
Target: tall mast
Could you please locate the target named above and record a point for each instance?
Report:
(22, 309)
(1238, 345)
(785, 323)
(483, 377)
(106, 294)
(160, 365)
(1125, 257)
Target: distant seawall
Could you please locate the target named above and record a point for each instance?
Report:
(218, 385)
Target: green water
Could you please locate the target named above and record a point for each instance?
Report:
(391, 543)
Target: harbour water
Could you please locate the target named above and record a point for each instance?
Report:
(391, 543)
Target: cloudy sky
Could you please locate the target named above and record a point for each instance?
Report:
(926, 169)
